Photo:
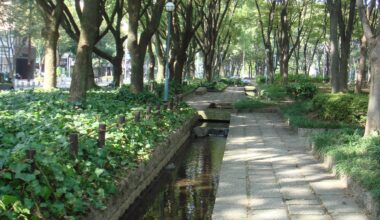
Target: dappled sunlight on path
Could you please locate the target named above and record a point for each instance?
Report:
(267, 173)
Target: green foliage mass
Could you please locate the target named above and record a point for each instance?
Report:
(301, 90)
(55, 185)
(354, 155)
(348, 108)
(297, 114)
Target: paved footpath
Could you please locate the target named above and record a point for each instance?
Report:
(268, 173)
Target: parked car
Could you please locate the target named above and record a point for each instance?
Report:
(246, 80)
(5, 82)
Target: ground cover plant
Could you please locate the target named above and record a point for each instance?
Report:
(56, 184)
(354, 155)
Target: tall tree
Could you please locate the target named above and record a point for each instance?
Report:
(346, 27)
(90, 22)
(183, 32)
(285, 36)
(334, 45)
(373, 39)
(214, 15)
(52, 12)
(137, 44)
(73, 28)
(114, 23)
(267, 35)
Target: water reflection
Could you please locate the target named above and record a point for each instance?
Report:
(188, 191)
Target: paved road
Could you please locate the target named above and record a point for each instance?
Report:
(267, 173)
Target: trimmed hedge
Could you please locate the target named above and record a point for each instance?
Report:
(349, 108)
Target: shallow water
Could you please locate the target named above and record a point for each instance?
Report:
(187, 191)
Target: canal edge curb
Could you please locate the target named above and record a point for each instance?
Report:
(136, 181)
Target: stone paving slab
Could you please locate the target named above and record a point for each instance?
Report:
(268, 173)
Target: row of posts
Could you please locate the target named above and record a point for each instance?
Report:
(74, 140)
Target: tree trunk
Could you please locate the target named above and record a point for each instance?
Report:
(270, 67)
(117, 63)
(152, 63)
(137, 63)
(334, 49)
(343, 68)
(117, 70)
(160, 69)
(50, 76)
(52, 17)
(83, 63)
(178, 67)
(207, 67)
(373, 115)
(137, 43)
(362, 65)
(91, 76)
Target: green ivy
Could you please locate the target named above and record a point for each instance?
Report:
(56, 185)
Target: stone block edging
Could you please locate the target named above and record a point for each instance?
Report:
(305, 132)
(361, 195)
(136, 181)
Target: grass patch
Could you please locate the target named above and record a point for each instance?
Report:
(251, 103)
(354, 155)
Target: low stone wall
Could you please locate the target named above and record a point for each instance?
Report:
(215, 114)
(361, 195)
(136, 181)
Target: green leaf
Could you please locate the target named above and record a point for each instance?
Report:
(25, 176)
(6, 175)
(18, 208)
(8, 199)
(19, 167)
(2, 205)
(99, 171)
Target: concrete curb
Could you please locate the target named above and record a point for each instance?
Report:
(137, 180)
(361, 195)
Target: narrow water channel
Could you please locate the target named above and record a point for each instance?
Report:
(187, 189)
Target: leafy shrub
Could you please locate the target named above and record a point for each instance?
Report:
(273, 92)
(349, 108)
(302, 90)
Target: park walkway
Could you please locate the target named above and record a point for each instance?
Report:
(267, 173)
